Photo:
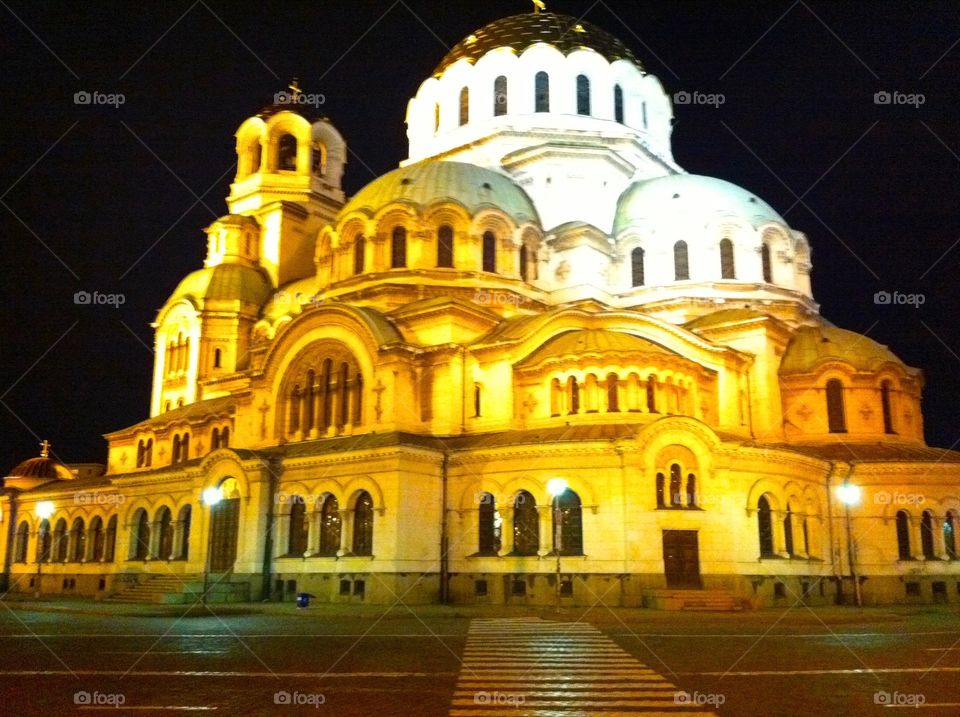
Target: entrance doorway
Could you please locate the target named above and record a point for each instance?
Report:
(223, 546)
(681, 558)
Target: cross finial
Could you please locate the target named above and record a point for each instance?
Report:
(295, 87)
(44, 448)
(539, 6)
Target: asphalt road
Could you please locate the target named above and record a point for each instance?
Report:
(251, 661)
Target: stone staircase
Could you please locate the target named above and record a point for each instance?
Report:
(180, 589)
(679, 599)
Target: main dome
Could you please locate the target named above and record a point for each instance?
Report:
(519, 32)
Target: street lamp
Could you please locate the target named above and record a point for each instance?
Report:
(557, 487)
(210, 497)
(849, 494)
(44, 510)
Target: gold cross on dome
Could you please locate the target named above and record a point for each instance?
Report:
(539, 6)
(294, 87)
(44, 448)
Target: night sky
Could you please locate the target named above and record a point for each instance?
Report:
(114, 199)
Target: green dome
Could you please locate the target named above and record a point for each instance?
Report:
(225, 282)
(432, 181)
(813, 345)
(662, 200)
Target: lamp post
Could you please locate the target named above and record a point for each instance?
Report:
(210, 497)
(556, 487)
(44, 510)
(849, 494)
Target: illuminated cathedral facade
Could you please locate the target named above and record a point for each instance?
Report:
(537, 362)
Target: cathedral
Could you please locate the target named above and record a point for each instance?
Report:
(538, 363)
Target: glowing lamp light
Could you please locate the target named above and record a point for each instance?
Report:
(44, 509)
(849, 494)
(211, 496)
(556, 486)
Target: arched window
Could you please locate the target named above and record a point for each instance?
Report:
(141, 536)
(60, 541)
(225, 437)
(636, 267)
(618, 103)
(287, 153)
(253, 151)
(765, 526)
(175, 454)
(573, 391)
(148, 453)
(445, 246)
(110, 541)
(43, 541)
(363, 525)
(464, 106)
(294, 421)
(765, 260)
(489, 252)
(836, 419)
(298, 527)
(613, 393)
(691, 490)
(652, 394)
(477, 400)
(78, 541)
(215, 439)
(139, 454)
(216, 358)
(500, 96)
(583, 95)
(676, 488)
(926, 535)
(488, 526)
(185, 447)
(359, 245)
(903, 535)
(885, 405)
(949, 535)
(661, 487)
(568, 510)
(398, 248)
(806, 536)
(727, 269)
(541, 92)
(164, 523)
(681, 264)
(23, 539)
(556, 397)
(788, 531)
(330, 527)
(96, 534)
(183, 538)
(526, 525)
(524, 272)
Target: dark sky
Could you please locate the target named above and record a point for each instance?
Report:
(89, 192)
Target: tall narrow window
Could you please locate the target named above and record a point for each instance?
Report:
(926, 535)
(949, 535)
(110, 541)
(727, 269)
(618, 103)
(175, 454)
(661, 488)
(23, 536)
(567, 509)
(526, 525)
(477, 399)
(78, 540)
(287, 153)
(141, 536)
(363, 525)
(216, 358)
(613, 393)
(652, 394)
(489, 538)
(681, 264)
(903, 535)
(225, 437)
(489, 252)
(43, 541)
(330, 527)
(573, 391)
(148, 453)
(164, 522)
(542, 92)
(788, 531)
(436, 117)
(215, 439)
(500, 96)
(885, 405)
(676, 489)
(583, 95)
(445, 246)
(765, 526)
(765, 260)
(359, 247)
(464, 106)
(691, 491)
(836, 418)
(643, 112)
(636, 266)
(298, 527)
(398, 248)
(523, 262)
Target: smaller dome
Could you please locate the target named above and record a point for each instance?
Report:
(813, 345)
(662, 199)
(41, 468)
(431, 181)
(225, 282)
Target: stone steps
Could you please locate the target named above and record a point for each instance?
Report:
(683, 599)
(174, 589)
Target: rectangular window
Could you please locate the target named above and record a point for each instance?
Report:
(344, 587)
(779, 590)
(519, 588)
(480, 588)
(912, 589)
(566, 588)
(359, 587)
(939, 591)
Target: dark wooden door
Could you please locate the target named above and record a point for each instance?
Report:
(226, 522)
(681, 558)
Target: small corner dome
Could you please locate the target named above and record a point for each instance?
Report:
(692, 197)
(44, 468)
(432, 181)
(225, 282)
(519, 32)
(812, 346)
